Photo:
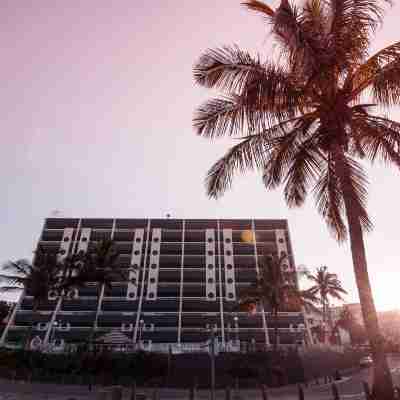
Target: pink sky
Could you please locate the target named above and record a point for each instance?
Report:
(96, 105)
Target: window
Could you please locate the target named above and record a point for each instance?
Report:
(153, 266)
(133, 280)
(155, 252)
(229, 266)
(210, 240)
(230, 295)
(152, 280)
(210, 295)
(156, 239)
(132, 294)
(230, 280)
(228, 253)
(62, 251)
(137, 252)
(135, 266)
(138, 240)
(228, 240)
(210, 266)
(210, 253)
(210, 280)
(281, 240)
(151, 295)
(66, 239)
(84, 239)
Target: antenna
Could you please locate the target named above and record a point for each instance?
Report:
(56, 213)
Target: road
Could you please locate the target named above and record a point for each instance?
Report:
(350, 388)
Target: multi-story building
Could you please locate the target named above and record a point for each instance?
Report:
(184, 279)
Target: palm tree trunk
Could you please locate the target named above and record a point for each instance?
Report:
(275, 313)
(383, 384)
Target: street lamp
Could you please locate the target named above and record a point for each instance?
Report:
(228, 335)
(54, 327)
(236, 319)
(141, 324)
(212, 356)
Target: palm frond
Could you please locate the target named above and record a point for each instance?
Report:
(381, 72)
(378, 138)
(329, 201)
(353, 182)
(228, 68)
(259, 7)
(304, 170)
(250, 154)
(352, 24)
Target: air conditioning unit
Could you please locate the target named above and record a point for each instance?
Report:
(126, 327)
(65, 326)
(58, 343)
(52, 295)
(72, 294)
(36, 343)
(41, 326)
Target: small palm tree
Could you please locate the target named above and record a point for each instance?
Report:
(326, 285)
(277, 290)
(306, 118)
(36, 280)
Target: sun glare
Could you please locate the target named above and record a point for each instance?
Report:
(386, 294)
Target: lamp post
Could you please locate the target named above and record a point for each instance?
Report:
(236, 319)
(228, 335)
(212, 357)
(141, 324)
(54, 327)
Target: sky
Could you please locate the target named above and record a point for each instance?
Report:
(96, 105)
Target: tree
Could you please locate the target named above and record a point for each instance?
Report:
(306, 117)
(100, 267)
(36, 279)
(356, 331)
(276, 289)
(326, 285)
(4, 310)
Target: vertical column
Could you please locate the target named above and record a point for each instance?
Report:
(154, 265)
(139, 310)
(211, 288)
(230, 292)
(264, 319)
(84, 240)
(282, 248)
(136, 257)
(181, 284)
(65, 245)
(221, 299)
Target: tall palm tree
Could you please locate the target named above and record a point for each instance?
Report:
(277, 290)
(326, 285)
(305, 117)
(101, 267)
(36, 280)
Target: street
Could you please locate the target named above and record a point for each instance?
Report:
(349, 388)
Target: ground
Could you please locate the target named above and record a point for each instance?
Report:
(349, 388)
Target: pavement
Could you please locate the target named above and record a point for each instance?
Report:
(350, 388)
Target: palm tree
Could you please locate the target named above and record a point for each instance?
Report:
(36, 280)
(277, 290)
(326, 285)
(100, 267)
(305, 117)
